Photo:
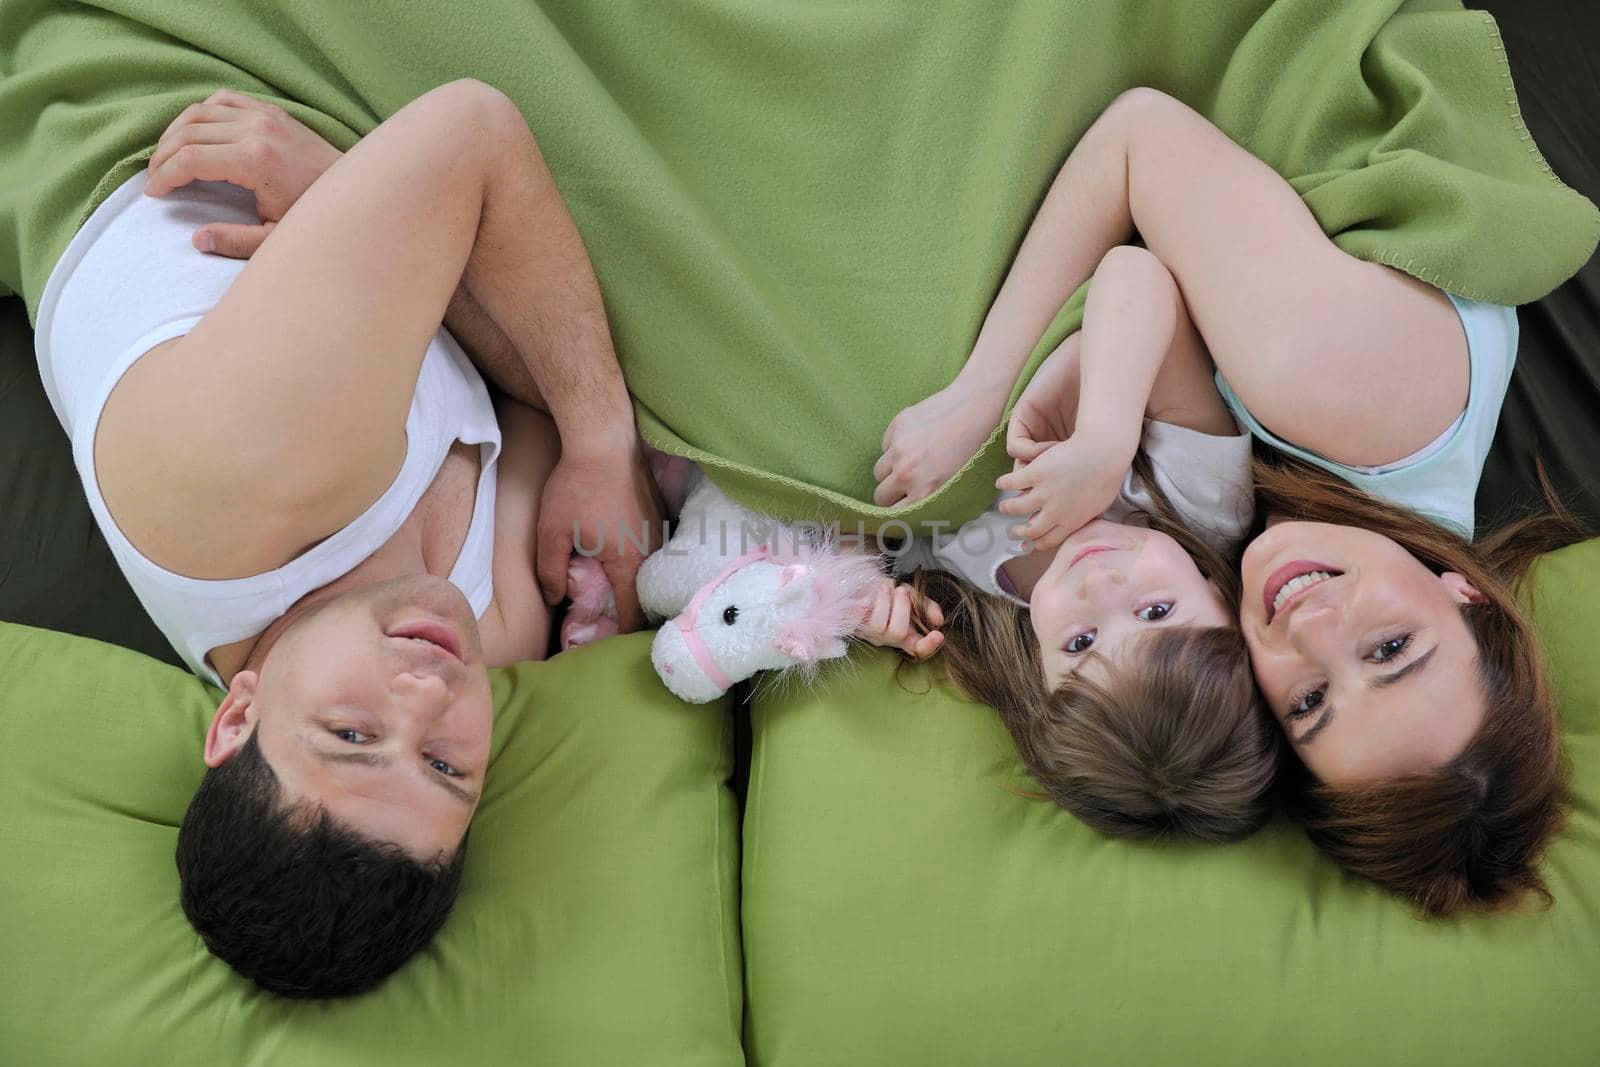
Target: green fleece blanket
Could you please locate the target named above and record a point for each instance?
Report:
(799, 213)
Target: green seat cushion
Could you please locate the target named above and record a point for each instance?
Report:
(904, 904)
(597, 918)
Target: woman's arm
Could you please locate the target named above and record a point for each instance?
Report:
(1185, 390)
(1353, 360)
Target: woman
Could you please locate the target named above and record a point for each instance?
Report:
(1379, 625)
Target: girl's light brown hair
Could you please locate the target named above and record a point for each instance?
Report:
(1466, 835)
(1176, 741)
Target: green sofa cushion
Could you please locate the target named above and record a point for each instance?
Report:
(904, 904)
(597, 919)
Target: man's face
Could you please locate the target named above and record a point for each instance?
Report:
(374, 705)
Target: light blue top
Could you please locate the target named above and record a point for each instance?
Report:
(1441, 481)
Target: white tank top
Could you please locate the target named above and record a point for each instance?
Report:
(132, 279)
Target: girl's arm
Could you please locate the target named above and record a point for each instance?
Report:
(896, 619)
(1080, 219)
(1136, 335)
(1185, 391)
(1184, 394)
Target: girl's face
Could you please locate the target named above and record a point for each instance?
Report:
(1361, 652)
(1109, 584)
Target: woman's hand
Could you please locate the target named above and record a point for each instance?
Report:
(1067, 485)
(928, 442)
(889, 622)
(231, 137)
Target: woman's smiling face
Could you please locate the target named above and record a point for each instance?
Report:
(1362, 652)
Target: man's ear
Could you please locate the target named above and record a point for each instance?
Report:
(1461, 590)
(234, 721)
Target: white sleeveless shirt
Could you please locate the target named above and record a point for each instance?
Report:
(132, 279)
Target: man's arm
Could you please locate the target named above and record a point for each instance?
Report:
(260, 145)
(490, 350)
(449, 192)
(525, 303)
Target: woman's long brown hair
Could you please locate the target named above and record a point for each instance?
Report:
(1469, 834)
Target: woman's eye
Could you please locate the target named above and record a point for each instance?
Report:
(1388, 649)
(1154, 612)
(354, 737)
(1080, 643)
(444, 768)
(1306, 703)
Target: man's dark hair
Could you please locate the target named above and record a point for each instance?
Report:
(295, 901)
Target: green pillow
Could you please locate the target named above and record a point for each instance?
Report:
(597, 922)
(903, 904)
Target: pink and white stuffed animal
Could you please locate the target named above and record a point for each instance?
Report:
(741, 593)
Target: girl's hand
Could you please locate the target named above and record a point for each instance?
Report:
(928, 442)
(1067, 485)
(889, 623)
(231, 137)
(1046, 410)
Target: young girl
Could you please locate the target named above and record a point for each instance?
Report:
(1135, 710)
(1390, 647)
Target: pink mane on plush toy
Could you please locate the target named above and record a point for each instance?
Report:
(785, 604)
(842, 588)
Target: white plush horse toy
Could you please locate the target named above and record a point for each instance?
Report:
(743, 593)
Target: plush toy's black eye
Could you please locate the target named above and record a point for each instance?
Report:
(729, 614)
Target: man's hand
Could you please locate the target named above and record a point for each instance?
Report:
(610, 500)
(889, 622)
(231, 137)
(928, 442)
(1070, 483)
